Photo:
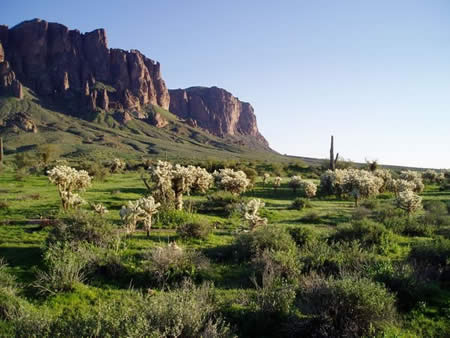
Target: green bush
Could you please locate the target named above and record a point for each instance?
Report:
(248, 245)
(417, 227)
(311, 217)
(347, 307)
(172, 219)
(370, 204)
(82, 226)
(302, 236)
(371, 234)
(300, 203)
(66, 266)
(360, 213)
(222, 202)
(199, 230)
(435, 255)
(166, 265)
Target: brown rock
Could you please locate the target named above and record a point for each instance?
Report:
(216, 110)
(21, 121)
(158, 121)
(17, 89)
(53, 60)
(103, 100)
(2, 53)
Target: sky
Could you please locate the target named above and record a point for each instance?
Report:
(375, 74)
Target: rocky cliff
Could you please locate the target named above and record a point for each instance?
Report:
(57, 62)
(80, 73)
(215, 110)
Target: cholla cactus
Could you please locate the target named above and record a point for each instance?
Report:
(362, 184)
(201, 178)
(308, 189)
(277, 182)
(332, 182)
(233, 181)
(386, 176)
(141, 210)
(131, 214)
(150, 207)
(409, 201)
(295, 182)
(117, 165)
(400, 185)
(414, 177)
(432, 176)
(172, 182)
(100, 209)
(250, 213)
(69, 181)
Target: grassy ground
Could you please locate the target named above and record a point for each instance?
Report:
(23, 203)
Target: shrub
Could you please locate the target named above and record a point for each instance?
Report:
(371, 204)
(170, 264)
(199, 230)
(311, 217)
(302, 236)
(300, 203)
(248, 245)
(172, 219)
(347, 307)
(360, 213)
(434, 254)
(417, 227)
(371, 234)
(65, 267)
(81, 226)
(221, 201)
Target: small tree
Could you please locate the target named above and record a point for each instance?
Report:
(408, 201)
(69, 181)
(265, 178)
(362, 184)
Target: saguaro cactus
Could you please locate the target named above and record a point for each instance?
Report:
(333, 160)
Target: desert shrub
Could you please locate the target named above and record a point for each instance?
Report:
(200, 230)
(384, 213)
(189, 311)
(248, 245)
(170, 218)
(81, 226)
(283, 265)
(251, 173)
(360, 213)
(96, 170)
(65, 267)
(222, 202)
(371, 234)
(109, 264)
(311, 217)
(302, 236)
(436, 213)
(275, 296)
(371, 204)
(300, 203)
(347, 307)
(335, 258)
(418, 227)
(170, 264)
(435, 255)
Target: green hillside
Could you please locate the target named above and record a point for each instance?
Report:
(104, 136)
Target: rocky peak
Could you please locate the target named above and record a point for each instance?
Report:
(57, 62)
(215, 110)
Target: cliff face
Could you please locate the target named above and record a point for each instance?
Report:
(215, 110)
(55, 61)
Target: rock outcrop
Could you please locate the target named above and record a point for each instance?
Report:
(215, 110)
(20, 121)
(57, 62)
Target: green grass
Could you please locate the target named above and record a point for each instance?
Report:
(21, 239)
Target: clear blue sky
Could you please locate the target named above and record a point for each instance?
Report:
(376, 74)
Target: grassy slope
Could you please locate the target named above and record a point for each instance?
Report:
(105, 137)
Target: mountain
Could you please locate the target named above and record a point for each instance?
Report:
(215, 110)
(48, 70)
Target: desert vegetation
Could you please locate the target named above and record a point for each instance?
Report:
(222, 249)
